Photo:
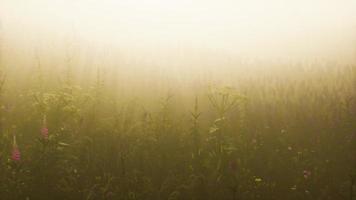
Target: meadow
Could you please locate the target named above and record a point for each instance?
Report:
(287, 133)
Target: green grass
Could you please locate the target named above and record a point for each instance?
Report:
(269, 135)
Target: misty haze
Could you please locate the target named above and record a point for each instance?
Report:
(177, 99)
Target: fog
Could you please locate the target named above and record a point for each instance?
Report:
(158, 31)
(177, 99)
(161, 43)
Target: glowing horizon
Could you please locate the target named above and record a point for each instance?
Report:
(257, 29)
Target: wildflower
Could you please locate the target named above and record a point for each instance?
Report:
(258, 180)
(306, 174)
(15, 155)
(294, 187)
(44, 133)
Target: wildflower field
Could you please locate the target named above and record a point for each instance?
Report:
(177, 99)
(283, 134)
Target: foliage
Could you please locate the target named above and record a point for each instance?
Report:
(268, 138)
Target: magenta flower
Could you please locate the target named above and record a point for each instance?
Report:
(15, 154)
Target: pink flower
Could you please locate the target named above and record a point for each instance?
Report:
(15, 154)
(44, 133)
(306, 174)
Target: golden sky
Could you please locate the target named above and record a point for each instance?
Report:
(251, 28)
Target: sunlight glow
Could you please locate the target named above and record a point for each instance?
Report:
(273, 28)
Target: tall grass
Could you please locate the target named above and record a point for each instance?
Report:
(270, 135)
